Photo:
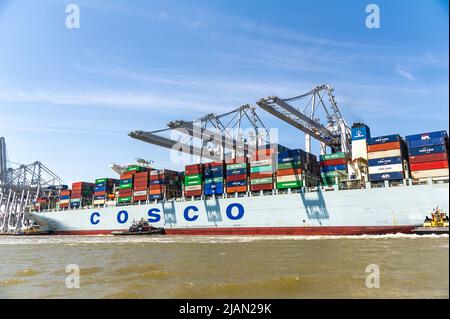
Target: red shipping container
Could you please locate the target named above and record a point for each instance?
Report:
(237, 189)
(237, 160)
(157, 187)
(428, 165)
(237, 177)
(289, 171)
(193, 167)
(142, 188)
(428, 158)
(140, 198)
(125, 192)
(214, 164)
(192, 193)
(126, 176)
(65, 193)
(260, 175)
(383, 147)
(139, 184)
(99, 193)
(261, 187)
(338, 161)
(141, 174)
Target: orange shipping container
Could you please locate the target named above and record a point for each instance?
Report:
(289, 171)
(383, 147)
(237, 189)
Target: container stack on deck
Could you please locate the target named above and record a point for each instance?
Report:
(104, 187)
(237, 175)
(126, 187)
(193, 180)
(386, 158)
(164, 184)
(428, 154)
(291, 168)
(262, 168)
(41, 203)
(333, 168)
(140, 186)
(214, 178)
(64, 198)
(82, 194)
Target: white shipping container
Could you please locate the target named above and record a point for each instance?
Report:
(99, 202)
(383, 154)
(359, 149)
(442, 172)
(385, 168)
(193, 188)
(140, 193)
(289, 178)
(64, 201)
(261, 163)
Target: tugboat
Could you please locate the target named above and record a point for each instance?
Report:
(141, 227)
(437, 224)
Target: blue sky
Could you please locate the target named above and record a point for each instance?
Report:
(68, 97)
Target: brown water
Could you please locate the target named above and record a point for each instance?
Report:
(224, 267)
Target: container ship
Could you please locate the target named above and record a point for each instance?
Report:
(386, 184)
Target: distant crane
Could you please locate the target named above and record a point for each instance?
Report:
(20, 187)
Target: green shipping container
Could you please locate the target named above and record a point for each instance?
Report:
(261, 169)
(101, 180)
(194, 177)
(236, 166)
(135, 168)
(192, 183)
(294, 184)
(290, 165)
(124, 199)
(258, 181)
(342, 174)
(214, 180)
(126, 186)
(332, 156)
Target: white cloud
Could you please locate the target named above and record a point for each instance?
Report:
(404, 72)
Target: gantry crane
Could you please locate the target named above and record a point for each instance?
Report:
(333, 132)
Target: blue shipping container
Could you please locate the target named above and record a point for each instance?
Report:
(291, 153)
(213, 186)
(155, 196)
(214, 191)
(99, 197)
(157, 182)
(76, 204)
(383, 139)
(386, 176)
(427, 142)
(427, 150)
(64, 197)
(239, 171)
(419, 137)
(360, 133)
(213, 174)
(385, 161)
(214, 169)
(237, 183)
(291, 159)
(99, 189)
(333, 168)
(126, 181)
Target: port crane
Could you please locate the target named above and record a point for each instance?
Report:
(304, 112)
(211, 136)
(20, 187)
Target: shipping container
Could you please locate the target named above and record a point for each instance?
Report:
(386, 176)
(261, 187)
(384, 139)
(261, 181)
(236, 183)
(442, 172)
(383, 147)
(289, 178)
(428, 158)
(339, 161)
(426, 136)
(427, 150)
(386, 161)
(333, 156)
(292, 184)
(429, 165)
(384, 154)
(261, 169)
(385, 168)
(237, 189)
(290, 171)
(237, 177)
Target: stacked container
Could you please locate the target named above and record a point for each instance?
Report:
(291, 166)
(386, 158)
(193, 178)
(214, 178)
(64, 198)
(333, 168)
(262, 168)
(41, 204)
(140, 186)
(164, 184)
(237, 175)
(428, 154)
(126, 187)
(103, 188)
(81, 195)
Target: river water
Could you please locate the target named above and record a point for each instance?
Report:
(409, 266)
